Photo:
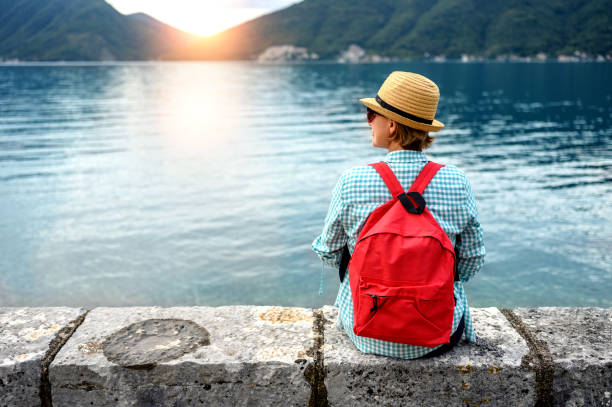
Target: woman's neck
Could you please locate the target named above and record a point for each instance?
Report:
(394, 146)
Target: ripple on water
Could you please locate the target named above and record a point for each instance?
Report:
(124, 185)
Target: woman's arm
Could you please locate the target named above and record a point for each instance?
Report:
(470, 243)
(328, 246)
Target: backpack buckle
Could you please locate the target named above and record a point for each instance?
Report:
(413, 202)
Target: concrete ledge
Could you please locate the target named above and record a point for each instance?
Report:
(189, 356)
(489, 372)
(27, 335)
(579, 341)
(254, 354)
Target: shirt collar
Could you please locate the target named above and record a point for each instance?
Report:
(406, 155)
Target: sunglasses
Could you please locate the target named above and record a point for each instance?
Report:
(371, 114)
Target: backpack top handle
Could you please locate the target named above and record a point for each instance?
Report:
(412, 200)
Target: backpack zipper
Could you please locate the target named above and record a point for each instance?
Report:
(375, 304)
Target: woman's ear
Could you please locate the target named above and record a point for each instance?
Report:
(392, 128)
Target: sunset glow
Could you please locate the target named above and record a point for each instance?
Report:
(201, 17)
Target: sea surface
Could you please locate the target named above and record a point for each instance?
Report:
(205, 183)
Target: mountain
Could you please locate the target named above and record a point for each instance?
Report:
(414, 28)
(43, 30)
(83, 30)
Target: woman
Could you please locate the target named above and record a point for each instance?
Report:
(401, 117)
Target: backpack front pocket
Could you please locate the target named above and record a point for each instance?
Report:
(404, 312)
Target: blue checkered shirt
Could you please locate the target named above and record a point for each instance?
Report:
(450, 200)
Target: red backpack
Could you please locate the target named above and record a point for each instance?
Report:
(403, 268)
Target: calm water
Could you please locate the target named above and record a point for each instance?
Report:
(206, 183)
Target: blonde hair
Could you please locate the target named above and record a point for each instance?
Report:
(412, 139)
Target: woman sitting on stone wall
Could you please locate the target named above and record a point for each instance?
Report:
(401, 117)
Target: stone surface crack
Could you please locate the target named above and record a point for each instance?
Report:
(538, 359)
(315, 371)
(54, 347)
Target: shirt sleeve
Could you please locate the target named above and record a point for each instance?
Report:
(328, 246)
(471, 242)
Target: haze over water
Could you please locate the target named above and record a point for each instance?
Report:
(205, 183)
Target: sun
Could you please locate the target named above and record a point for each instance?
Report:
(207, 20)
(199, 17)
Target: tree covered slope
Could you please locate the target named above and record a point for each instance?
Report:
(93, 30)
(84, 30)
(412, 28)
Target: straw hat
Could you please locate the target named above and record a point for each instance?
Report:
(408, 98)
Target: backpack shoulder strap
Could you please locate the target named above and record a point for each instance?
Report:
(390, 180)
(426, 174)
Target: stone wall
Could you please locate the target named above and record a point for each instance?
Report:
(245, 356)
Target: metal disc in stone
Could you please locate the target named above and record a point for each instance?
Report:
(144, 344)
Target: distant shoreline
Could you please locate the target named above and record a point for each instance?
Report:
(306, 62)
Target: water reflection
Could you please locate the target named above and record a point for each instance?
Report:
(189, 183)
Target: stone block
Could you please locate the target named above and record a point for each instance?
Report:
(186, 356)
(580, 343)
(489, 372)
(25, 336)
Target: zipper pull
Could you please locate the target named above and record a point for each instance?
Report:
(374, 302)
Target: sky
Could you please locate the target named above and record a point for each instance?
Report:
(202, 17)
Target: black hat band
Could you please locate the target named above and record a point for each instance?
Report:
(407, 115)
